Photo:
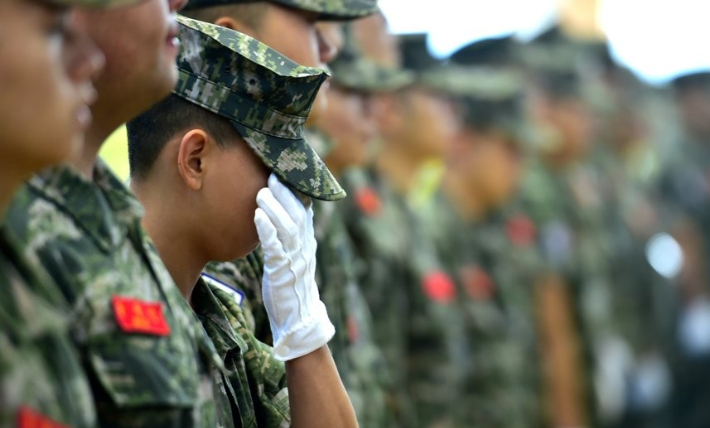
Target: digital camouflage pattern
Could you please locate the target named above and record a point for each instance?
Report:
(257, 381)
(245, 275)
(358, 359)
(265, 95)
(495, 262)
(326, 10)
(418, 323)
(87, 236)
(39, 367)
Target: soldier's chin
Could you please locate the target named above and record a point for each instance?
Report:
(318, 109)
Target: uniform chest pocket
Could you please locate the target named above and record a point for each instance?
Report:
(141, 363)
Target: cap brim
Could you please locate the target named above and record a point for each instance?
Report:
(339, 10)
(295, 162)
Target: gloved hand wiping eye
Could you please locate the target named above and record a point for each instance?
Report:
(299, 320)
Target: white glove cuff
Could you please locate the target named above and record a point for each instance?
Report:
(305, 336)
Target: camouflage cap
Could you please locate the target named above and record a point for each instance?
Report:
(429, 72)
(492, 99)
(266, 96)
(352, 70)
(499, 51)
(327, 10)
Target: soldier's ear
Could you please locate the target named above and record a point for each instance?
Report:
(233, 24)
(194, 146)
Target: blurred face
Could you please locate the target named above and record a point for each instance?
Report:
(350, 123)
(694, 108)
(569, 123)
(430, 124)
(488, 164)
(141, 47)
(234, 178)
(294, 33)
(46, 69)
(375, 40)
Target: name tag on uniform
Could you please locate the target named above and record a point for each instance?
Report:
(138, 316)
(238, 295)
(28, 418)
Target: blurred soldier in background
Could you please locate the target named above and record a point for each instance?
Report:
(148, 360)
(48, 64)
(683, 189)
(350, 128)
(563, 124)
(489, 243)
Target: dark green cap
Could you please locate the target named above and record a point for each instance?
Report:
(266, 96)
(492, 99)
(327, 10)
(352, 70)
(498, 51)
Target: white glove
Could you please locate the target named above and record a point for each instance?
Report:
(299, 320)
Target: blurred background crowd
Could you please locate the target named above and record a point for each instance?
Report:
(525, 241)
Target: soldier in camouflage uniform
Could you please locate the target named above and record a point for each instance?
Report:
(417, 323)
(148, 360)
(349, 126)
(684, 188)
(489, 244)
(42, 382)
(237, 113)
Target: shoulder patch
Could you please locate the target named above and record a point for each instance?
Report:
(238, 295)
(28, 418)
(137, 316)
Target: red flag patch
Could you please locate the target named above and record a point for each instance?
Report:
(353, 330)
(137, 316)
(28, 418)
(368, 201)
(521, 231)
(478, 284)
(439, 287)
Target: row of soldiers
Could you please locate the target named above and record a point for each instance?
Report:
(488, 267)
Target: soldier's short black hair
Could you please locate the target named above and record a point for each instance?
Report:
(150, 132)
(250, 14)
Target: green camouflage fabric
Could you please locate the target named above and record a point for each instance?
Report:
(265, 95)
(256, 379)
(245, 275)
(352, 70)
(40, 372)
(325, 10)
(358, 359)
(87, 236)
(495, 261)
(582, 239)
(418, 323)
(492, 99)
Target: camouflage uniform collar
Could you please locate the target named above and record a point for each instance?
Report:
(207, 307)
(103, 208)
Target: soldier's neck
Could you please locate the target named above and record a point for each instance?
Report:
(401, 171)
(105, 122)
(466, 203)
(172, 241)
